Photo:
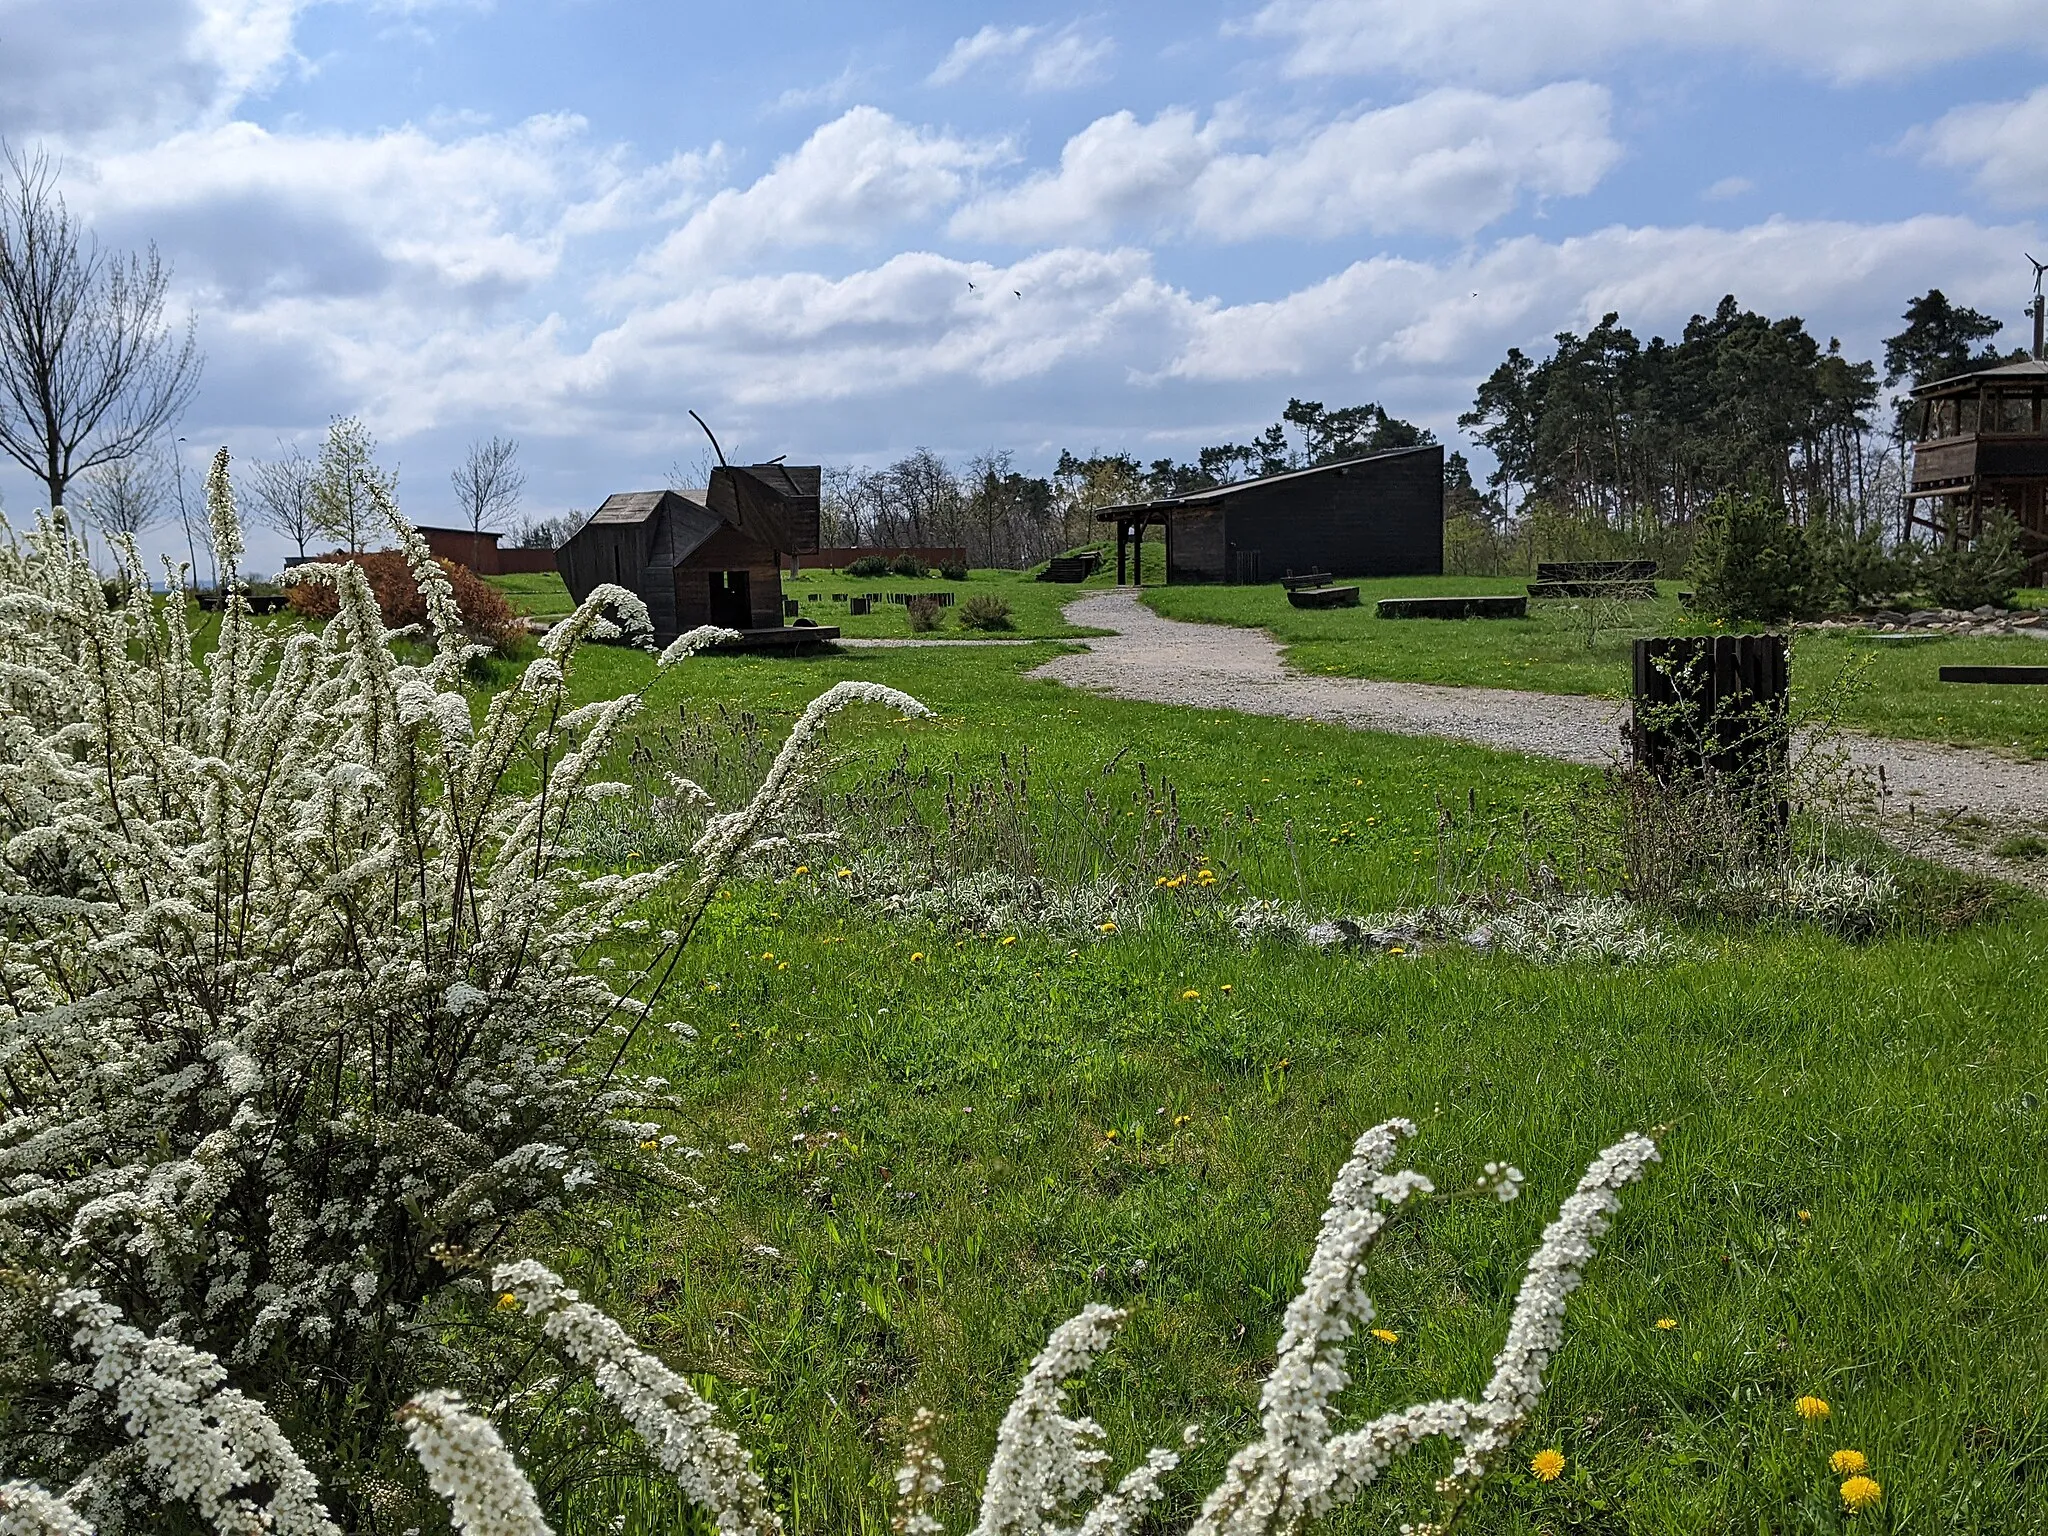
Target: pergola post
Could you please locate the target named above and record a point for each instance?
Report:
(1122, 531)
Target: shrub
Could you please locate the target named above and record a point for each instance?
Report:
(1750, 563)
(1857, 568)
(908, 565)
(298, 1030)
(868, 565)
(925, 612)
(984, 610)
(485, 614)
(953, 572)
(1986, 569)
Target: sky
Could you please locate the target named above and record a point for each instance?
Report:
(841, 232)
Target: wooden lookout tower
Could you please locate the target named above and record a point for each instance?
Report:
(1981, 442)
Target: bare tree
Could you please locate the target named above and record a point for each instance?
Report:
(341, 486)
(284, 494)
(488, 483)
(128, 495)
(90, 371)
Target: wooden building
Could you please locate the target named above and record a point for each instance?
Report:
(701, 557)
(482, 553)
(1981, 441)
(1377, 516)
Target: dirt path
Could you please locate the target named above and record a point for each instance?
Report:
(1216, 666)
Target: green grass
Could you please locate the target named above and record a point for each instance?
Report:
(1896, 689)
(535, 594)
(1034, 605)
(970, 1196)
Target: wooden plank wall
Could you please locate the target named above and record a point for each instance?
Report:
(1380, 517)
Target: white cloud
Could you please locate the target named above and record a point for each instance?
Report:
(260, 211)
(1068, 60)
(1391, 316)
(2003, 144)
(1500, 40)
(1451, 161)
(1729, 187)
(968, 53)
(859, 175)
(1058, 62)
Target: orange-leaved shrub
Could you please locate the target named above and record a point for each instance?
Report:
(486, 616)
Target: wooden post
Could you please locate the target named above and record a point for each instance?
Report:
(1715, 705)
(1122, 529)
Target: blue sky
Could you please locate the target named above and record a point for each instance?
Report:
(573, 220)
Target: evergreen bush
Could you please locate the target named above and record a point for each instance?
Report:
(868, 565)
(1750, 563)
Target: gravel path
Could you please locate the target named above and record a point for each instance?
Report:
(1217, 666)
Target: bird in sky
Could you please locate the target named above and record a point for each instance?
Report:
(970, 285)
(1018, 292)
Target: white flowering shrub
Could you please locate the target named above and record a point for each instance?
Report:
(298, 1024)
(210, 1445)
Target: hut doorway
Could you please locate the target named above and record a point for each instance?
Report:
(731, 604)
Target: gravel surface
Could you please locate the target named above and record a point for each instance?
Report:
(1926, 787)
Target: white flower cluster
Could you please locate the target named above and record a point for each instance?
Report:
(295, 1019)
(1298, 1469)
(26, 1510)
(199, 1439)
(1047, 1460)
(664, 1410)
(468, 1465)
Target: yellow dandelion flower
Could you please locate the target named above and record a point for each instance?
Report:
(1190, 995)
(801, 869)
(845, 874)
(1110, 1134)
(1397, 950)
(767, 954)
(1105, 927)
(1666, 1324)
(783, 966)
(508, 1303)
(1846, 1463)
(1861, 1493)
(1386, 1335)
(916, 955)
(1179, 1120)
(1224, 988)
(649, 1145)
(1205, 874)
(1547, 1465)
(1159, 882)
(1812, 1409)
(1009, 939)
(1805, 1216)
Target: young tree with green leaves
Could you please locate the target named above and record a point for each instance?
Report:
(347, 483)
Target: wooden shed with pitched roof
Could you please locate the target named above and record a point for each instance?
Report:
(701, 557)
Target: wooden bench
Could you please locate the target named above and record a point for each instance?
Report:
(1501, 607)
(1994, 674)
(1621, 591)
(1323, 597)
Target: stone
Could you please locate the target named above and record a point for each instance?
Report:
(1922, 616)
(2026, 620)
(1886, 618)
(1983, 611)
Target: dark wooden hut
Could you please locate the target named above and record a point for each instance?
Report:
(1382, 515)
(701, 557)
(1982, 442)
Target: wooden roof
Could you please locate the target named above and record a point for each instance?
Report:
(2031, 371)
